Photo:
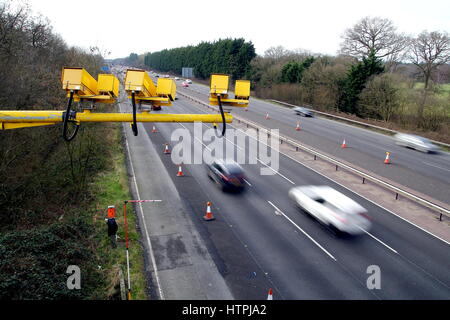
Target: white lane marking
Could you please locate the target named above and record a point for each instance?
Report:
(284, 177)
(352, 191)
(384, 244)
(281, 175)
(155, 269)
(310, 238)
(277, 211)
(247, 182)
(435, 166)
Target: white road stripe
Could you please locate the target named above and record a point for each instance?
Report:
(155, 269)
(310, 238)
(360, 195)
(435, 166)
(247, 182)
(384, 244)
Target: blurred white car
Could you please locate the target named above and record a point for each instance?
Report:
(332, 208)
(415, 142)
(188, 81)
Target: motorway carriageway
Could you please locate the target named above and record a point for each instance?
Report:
(287, 250)
(426, 173)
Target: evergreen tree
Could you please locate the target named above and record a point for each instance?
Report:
(230, 56)
(356, 80)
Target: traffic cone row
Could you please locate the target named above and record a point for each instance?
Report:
(208, 216)
(387, 160)
(166, 149)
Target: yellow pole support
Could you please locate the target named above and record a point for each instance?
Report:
(20, 119)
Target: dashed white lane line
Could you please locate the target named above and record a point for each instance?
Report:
(357, 193)
(249, 184)
(384, 244)
(435, 166)
(306, 234)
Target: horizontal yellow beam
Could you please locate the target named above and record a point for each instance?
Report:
(229, 102)
(17, 119)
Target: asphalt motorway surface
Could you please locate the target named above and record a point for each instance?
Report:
(261, 240)
(426, 173)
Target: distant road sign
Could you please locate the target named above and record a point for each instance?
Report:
(187, 72)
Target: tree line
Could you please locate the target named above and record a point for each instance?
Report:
(378, 74)
(230, 56)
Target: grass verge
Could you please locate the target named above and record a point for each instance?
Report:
(111, 188)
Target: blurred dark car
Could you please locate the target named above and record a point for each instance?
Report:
(303, 111)
(227, 174)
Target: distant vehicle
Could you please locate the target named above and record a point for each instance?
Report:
(415, 142)
(227, 174)
(156, 108)
(157, 75)
(333, 209)
(184, 84)
(303, 111)
(188, 81)
(176, 78)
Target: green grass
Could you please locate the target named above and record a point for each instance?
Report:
(111, 188)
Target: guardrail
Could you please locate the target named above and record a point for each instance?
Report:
(357, 122)
(339, 164)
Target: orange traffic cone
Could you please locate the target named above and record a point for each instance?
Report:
(166, 150)
(343, 145)
(180, 171)
(297, 128)
(208, 216)
(270, 295)
(267, 116)
(387, 160)
(154, 130)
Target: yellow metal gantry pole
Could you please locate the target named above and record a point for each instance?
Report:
(21, 119)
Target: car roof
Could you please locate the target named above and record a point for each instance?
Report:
(333, 197)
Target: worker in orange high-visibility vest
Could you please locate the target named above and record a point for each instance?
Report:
(112, 225)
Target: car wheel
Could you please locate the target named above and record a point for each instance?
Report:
(334, 230)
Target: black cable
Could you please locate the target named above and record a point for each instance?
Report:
(66, 120)
(224, 127)
(134, 124)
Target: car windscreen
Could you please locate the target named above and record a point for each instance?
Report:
(233, 169)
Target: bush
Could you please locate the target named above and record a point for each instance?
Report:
(33, 263)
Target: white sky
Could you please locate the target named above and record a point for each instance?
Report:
(142, 26)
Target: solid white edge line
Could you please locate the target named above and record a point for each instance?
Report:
(155, 269)
(247, 182)
(306, 234)
(371, 201)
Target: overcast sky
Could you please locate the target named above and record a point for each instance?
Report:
(142, 26)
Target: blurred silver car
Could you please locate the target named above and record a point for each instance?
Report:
(415, 142)
(332, 208)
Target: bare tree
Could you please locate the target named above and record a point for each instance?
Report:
(429, 51)
(276, 52)
(377, 34)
